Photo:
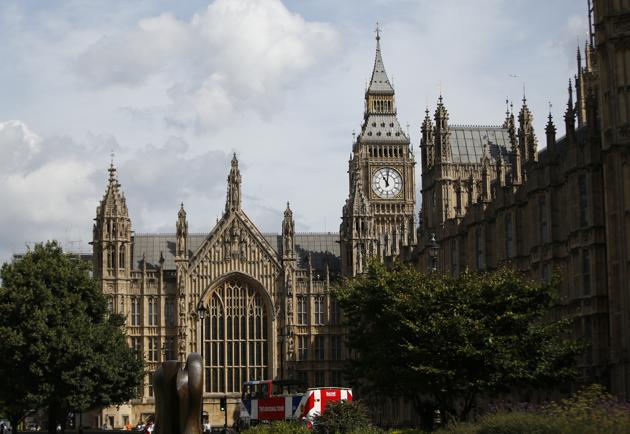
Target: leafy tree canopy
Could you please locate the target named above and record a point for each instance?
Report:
(61, 350)
(444, 341)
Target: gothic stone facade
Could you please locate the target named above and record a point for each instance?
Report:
(489, 197)
(268, 313)
(492, 199)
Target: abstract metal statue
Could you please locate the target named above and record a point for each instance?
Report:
(178, 396)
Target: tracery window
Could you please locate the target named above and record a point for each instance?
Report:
(153, 312)
(319, 347)
(111, 255)
(121, 257)
(301, 310)
(153, 349)
(135, 311)
(319, 309)
(302, 347)
(236, 345)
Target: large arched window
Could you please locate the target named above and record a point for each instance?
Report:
(235, 337)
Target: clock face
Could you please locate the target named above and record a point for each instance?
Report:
(387, 182)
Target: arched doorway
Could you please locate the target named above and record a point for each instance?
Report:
(235, 336)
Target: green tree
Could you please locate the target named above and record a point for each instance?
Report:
(61, 349)
(442, 342)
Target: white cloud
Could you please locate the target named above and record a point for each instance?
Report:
(235, 55)
(18, 145)
(51, 186)
(282, 86)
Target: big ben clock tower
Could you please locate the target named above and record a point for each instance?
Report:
(378, 217)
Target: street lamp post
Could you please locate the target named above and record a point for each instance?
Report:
(201, 310)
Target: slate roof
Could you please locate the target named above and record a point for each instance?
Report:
(379, 83)
(322, 247)
(467, 143)
(382, 128)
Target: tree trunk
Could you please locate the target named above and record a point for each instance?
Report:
(14, 424)
(52, 419)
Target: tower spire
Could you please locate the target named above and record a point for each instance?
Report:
(442, 142)
(288, 232)
(550, 130)
(181, 227)
(233, 202)
(569, 116)
(379, 83)
(112, 232)
(526, 136)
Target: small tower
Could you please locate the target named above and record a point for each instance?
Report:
(580, 90)
(443, 153)
(427, 149)
(526, 137)
(485, 176)
(233, 201)
(111, 235)
(288, 235)
(181, 249)
(500, 170)
(569, 117)
(550, 130)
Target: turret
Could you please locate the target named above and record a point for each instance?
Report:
(288, 234)
(471, 191)
(526, 137)
(500, 170)
(569, 117)
(550, 130)
(443, 152)
(426, 142)
(181, 231)
(580, 91)
(459, 209)
(485, 176)
(510, 124)
(233, 201)
(111, 239)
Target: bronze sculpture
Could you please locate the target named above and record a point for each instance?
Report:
(178, 396)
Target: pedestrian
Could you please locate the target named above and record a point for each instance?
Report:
(207, 428)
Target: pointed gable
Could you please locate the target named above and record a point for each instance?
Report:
(235, 244)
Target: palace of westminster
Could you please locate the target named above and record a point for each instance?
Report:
(257, 306)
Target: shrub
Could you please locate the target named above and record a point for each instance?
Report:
(281, 427)
(341, 418)
(590, 411)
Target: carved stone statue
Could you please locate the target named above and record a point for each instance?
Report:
(178, 396)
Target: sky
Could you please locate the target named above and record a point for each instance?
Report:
(174, 88)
